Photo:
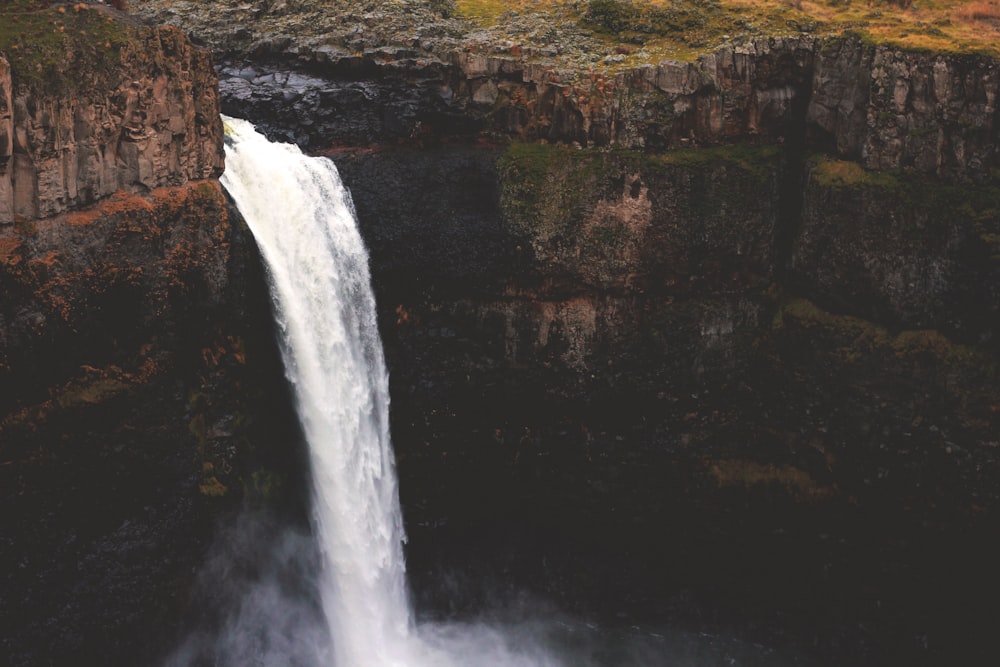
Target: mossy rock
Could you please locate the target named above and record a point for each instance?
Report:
(63, 49)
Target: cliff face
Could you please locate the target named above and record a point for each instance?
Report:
(139, 119)
(748, 303)
(126, 399)
(922, 112)
(777, 335)
(645, 369)
(882, 107)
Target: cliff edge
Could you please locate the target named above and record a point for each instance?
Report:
(125, 329)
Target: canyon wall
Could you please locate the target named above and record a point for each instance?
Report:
(876, 105)
(713, 339)
(784, 175)
(144, 120)
(137, 367)
(697, 342)
(649, 386)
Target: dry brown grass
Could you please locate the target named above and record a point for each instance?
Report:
(935, 25)
(982, 10)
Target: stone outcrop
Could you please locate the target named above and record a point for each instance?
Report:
(136, 364)
(759, 89)
(153, 124)
(882, 107)
(753, 89)
(136, 378)
(581, 339)
(891, 109)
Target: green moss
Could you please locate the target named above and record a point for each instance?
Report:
(756, 161)
(750, 474)
(854, 339)
(930, 343)
(551, 194)
(845, 327)
(548, 186)
(264, 485)
(52, 47)
(830, 173)
(915, 195)
(972, 204)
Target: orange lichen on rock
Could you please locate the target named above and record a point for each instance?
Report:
(145, 249)
(119, 203)
(10, 251)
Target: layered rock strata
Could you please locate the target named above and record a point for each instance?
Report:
(728, 352)
(141, 118)
(136, 364)
(748, 303)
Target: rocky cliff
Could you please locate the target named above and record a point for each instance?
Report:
(137, 115)
(126, 399)
(747, 302)
(709, 341)
(411, 72)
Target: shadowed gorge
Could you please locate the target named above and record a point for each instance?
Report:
(691, 334)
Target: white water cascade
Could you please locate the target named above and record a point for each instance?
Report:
(303, 221)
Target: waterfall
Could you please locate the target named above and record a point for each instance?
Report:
(302, 218)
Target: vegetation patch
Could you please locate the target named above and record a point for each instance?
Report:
(91, 393)
(52, 45)
(545, 187)
(808, 315)
(854, 339)
(10, 252)
(750, 474)
(933, 344)
(648, 30)
(264, 485)
(757, 161)
(549, 185)
(975, 204)
(830, 173)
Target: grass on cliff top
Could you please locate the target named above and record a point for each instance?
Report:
(648, 30)
(48, 44)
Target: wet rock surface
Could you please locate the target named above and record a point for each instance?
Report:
(650, 355)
